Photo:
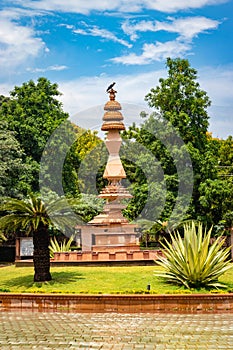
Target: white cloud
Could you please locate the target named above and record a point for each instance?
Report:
(219, 83)
(17, 43)
(187, 28)
(99, 32)
(5, 88)
(154, 52)
(14, 13)
(177, 5)
(75, 6)
(86, 7)
(50, 68)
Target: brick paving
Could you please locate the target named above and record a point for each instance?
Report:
(22, 330)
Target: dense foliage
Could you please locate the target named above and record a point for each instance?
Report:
(33, 124)
(33, 112)
(181, 105)
(14, 173)
(180, 100)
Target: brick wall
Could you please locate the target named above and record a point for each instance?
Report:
(118, 303)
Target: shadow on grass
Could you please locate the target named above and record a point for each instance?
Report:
(61, 278)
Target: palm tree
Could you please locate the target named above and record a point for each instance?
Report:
(33, 216)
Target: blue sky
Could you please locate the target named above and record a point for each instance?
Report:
(84, 45)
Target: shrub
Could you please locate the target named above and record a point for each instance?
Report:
(62, 247)
(191, 261)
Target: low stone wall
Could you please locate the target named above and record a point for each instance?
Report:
(92, 263)
(108, 255)
(118, 303)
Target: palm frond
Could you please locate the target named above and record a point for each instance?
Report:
(29, 213)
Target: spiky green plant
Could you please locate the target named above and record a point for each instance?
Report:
(192, 261)
(64, 246)
(2, 237)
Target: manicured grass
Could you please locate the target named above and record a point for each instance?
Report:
(94, 280)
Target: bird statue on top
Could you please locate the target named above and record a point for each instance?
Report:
(110, 87)
(111, 91)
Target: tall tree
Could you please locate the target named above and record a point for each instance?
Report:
(33, 112)
(152, 171)
(216, 192)
(225, 174)
(179, 100)
(69, 161)
(225, 157)
(14, 173)
(81, 162)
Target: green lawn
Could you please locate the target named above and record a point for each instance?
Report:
(96, 280)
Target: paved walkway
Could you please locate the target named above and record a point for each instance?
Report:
(28, 330)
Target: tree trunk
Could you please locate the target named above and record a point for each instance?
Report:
(41, 257)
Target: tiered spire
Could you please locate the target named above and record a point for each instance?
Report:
(114, 172)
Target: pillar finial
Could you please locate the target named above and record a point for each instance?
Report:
(111, 92)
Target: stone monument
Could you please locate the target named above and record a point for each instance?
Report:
(110, 230)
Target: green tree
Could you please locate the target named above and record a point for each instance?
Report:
(225, 175)
(35, 115)
(216, 192)
(153, 173)
(69, 159)
(33, 112)
(14, 173)
(86, 206)
(216, 201)
(180, 100)
(81, 160)
(33, 216)
(225, 158)
(181, 103)
(58, 163)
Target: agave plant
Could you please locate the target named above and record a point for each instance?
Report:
(192, 261)
(62, 247)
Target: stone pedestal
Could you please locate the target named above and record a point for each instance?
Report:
(110, 237)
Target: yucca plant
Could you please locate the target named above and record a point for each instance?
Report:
(64, 246)
(191, 261)
(2, 237)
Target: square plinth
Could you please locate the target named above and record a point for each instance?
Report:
(109, 238)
